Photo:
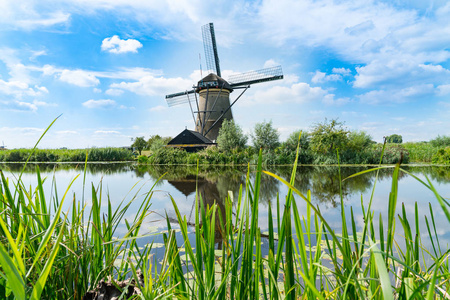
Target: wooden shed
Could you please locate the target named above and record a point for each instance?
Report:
(191, 141)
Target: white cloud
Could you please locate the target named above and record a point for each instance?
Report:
(159, 108)
(97, 90)
(20, 89)
(296, 93)
(52, 19)
(376, 97)
(115, 45)
(25, 16)
(114, 92)
(270, 63)
(320, 77)
(398, 73)
(150, 85)
(443, 89)
(79, 78)
(102, 103)
(35, 54)
(107, 132)
(342, 71)
(393, 46)
(19, 105)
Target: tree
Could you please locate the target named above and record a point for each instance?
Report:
(329, 136)
(265, 136)
(394, 138)
(156, 142)
(292, 140)
(359, 140)
(139, 143)
(231, 136)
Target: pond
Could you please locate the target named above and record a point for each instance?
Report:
(123, 181)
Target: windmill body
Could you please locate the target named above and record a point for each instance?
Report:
(214, 101)
(209, 100)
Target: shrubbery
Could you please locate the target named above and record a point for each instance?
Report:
(442, 156)
(441, 141)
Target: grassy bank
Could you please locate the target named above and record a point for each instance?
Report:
(66, 155)
(46, 253)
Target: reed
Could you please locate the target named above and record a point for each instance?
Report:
(66, 155)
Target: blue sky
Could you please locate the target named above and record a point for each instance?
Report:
(378, 66)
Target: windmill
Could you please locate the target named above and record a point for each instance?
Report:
(211, 96)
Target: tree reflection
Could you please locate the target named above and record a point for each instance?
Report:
(92, 168)
(323, 181)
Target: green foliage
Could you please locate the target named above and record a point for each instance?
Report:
(142, 159)
(265, 136)
(231, 136)
(421, 152)
(359, 140)
(66, 155)
(393, 153)
(442, 156)
(326, 137)
(57, 255)
(168, 156)
(394, 138)
(139, 143)
(286, 152)
(156, 142)
(440, 141)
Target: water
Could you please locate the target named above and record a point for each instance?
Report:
(123, 181)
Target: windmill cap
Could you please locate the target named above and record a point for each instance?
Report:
(213, 81)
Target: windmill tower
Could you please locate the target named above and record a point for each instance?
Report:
(211, 96)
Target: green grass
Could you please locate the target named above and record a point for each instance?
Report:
(47, 253)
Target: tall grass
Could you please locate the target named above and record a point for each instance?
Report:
(46, 253)
(66, 155)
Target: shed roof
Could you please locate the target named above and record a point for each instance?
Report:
(187, 137)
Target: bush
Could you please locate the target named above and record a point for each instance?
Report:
(231, 136)
(286, 151)
(16, 156)
(168, 156)
(393, 153)
(359, 141)
(142, 159)
(440, 141)
(442, 156)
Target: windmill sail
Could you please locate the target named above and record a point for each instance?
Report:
(179, 98)
(247, 78)
(209, 43)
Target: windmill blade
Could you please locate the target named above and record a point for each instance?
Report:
(209, 43)
(179, 98)
(263, 75)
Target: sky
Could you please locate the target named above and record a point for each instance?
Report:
(104, 67)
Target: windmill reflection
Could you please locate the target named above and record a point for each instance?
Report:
(208, 192)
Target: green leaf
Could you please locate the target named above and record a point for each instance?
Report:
(386, 287)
